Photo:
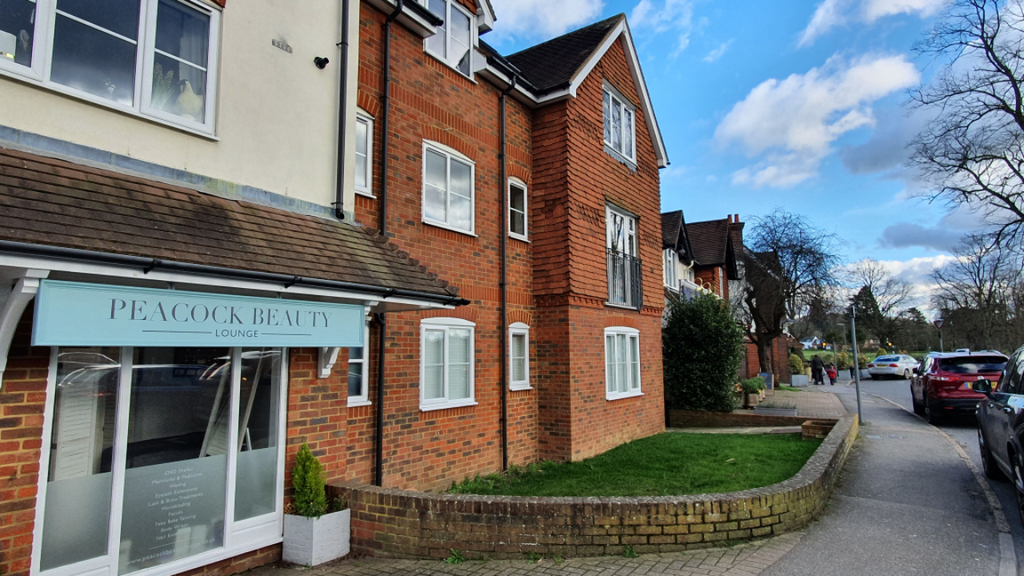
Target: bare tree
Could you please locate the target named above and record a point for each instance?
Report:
(978, 292)
(973, 151)
(786, 264)
(890, 297)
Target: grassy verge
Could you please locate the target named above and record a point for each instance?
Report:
(669, 464)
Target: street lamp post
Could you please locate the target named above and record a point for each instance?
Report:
(856, 360)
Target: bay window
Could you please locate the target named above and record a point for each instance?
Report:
(154, 58)
(622, 362)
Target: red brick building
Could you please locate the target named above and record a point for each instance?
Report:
(465, 274)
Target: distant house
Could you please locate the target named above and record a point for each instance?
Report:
(677, 255)
(715, 244)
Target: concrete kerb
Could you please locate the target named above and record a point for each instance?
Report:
(405, 524)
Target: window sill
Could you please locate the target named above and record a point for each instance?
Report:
(622, 306)
(30, 78)
(631, 164)
(449, 66)
(519, 387)
(365, 194)
(447, 405)
(447, 227)
(623, 396)
(356, 403)
(519, 237)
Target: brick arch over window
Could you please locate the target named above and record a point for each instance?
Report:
(520, 316)
(516, 171)
(627, 321)
(463, 313)
(368, 103)
(448, 139)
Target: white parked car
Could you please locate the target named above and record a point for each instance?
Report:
(892, 366)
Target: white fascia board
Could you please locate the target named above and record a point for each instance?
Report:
(201, 283)
(408, 18)
(485, 16)
(622, 29)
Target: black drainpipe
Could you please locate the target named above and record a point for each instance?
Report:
(339, 201)
(503, 285)
(381, 318)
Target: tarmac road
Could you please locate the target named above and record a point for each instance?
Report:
(907, 503)
(964, 430)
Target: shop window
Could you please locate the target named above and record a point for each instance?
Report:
(151, 57)
(364, 154)
(446, 363)
(453, 42)
(622, 362)
(447, 188)
(148, 449)
(519, 356)
(619, 128)
(517, 209)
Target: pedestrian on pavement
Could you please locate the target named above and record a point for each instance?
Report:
(817, 366)
(831, 371)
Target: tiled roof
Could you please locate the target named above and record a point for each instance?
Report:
(710, 241)
(553, 64)
(671, 222)
(53, 202)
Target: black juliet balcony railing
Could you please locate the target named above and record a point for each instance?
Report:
(625, 280)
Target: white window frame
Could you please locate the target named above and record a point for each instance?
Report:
(671, 273)
(446, 31)
(630, 247)
(445, 324)
(623, 104)
(519, 329)
(449, 154)
(42, 56)
(362, 399)
(524, 236)
(632, 388)
(363, 117)
(240, 537)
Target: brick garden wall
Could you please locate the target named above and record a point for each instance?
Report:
(388, 522)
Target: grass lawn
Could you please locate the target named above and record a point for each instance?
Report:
(789, 388)
(669, 464)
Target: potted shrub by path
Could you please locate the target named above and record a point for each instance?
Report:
(752, 388)
(315, 533)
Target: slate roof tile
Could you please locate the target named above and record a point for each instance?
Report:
(58, 203)
(549, 65)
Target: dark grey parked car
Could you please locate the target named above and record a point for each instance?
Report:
(1001, 426)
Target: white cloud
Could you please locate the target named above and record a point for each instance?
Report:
(673, 16)
(544, 19)
(717, 52)
(794, 121)
(832, 13)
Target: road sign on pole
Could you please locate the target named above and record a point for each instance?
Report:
(938, 323)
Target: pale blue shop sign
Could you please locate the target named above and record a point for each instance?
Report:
(79, 314)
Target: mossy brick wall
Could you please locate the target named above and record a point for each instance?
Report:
(388, 522)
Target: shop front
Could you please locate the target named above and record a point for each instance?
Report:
(164, 422)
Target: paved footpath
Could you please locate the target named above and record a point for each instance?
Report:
(907, 504)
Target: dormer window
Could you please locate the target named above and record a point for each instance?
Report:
(454, 39)
(619, 125)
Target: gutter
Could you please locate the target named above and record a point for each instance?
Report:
(147, 265)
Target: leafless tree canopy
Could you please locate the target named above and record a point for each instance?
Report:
(972, 152)
(786, 263)
(891, 294)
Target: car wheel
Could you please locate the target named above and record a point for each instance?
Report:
(906, 374)
(932, 416)
(1018, 485)
(918, 407)
(988, 462)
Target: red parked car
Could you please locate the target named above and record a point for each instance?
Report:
(942, 385)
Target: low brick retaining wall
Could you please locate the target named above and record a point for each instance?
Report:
(399, 523)
(693, 419)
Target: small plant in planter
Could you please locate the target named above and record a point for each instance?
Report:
(752, 388)
(318, 532)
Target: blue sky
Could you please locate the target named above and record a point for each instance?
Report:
(798, 105)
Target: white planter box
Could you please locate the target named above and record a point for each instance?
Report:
(799, 380)
(313, 541)
(865, 375)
